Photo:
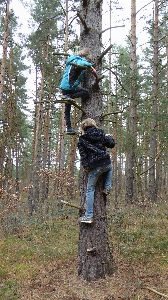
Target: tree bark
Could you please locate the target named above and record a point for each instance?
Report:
(4, 53)
(154, 123)
(132, 119)
(62, 140)
(95, 257)
(2, 77)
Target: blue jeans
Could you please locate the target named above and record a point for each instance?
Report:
(93, 176)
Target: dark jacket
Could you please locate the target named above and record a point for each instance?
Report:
(73, 76)
(92, 147)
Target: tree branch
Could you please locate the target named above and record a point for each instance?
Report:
(114, 73)
(113, 113)
(104, 52)
(98, 2)
(71, 102)
(83, 22)
(70, 204)
(156, 292)
(156, 158)
(110, 28)
(81, 209)
(66, 101)
(96, 83)
(143, 7)
(60, 53)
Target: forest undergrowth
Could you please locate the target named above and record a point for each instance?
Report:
(39, 257)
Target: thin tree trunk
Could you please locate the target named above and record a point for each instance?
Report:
(154, 123)
(72, 152)
(11, 115)
(45, 182)
(62, 140)
(4, 53)
(32, 169)
(46, 150)
(34, 193)
(132, 118)
(2, 78)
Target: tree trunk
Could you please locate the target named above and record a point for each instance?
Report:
(4, 53)
(2, 77)
(46, 152)
(32, 171)
(95, 258)
(73, 144)
(132, 119)
(62, 140)
(34, 192)
(154, 123)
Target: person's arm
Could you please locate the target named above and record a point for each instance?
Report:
(109, 141)
(81, 62)
(83, 156)
(93, 71)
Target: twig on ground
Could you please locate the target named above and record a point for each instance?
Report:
(156, 292)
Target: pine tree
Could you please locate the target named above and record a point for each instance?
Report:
(131, 195)
(95, 257)
(14, 127)
(45, 15)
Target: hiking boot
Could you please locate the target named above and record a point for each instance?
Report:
(85, 219)
(71, 130)
(106, 192)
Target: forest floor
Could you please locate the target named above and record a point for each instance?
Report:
(40, 261)
(131, 281)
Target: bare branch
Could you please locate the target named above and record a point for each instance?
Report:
(71, 102)
(113, 113)
(70, 204)
(144, 7)
(110, 28)
(66, 101)
(156, 158)
(104, 53)
(60, 53)
(81, 209)
(156, 292)
(98, 2)
(98, 79)
(114, 73)
(83, 22)
(62, 8)
(72, 20)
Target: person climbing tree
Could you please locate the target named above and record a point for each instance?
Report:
(96, 161)
(76, 65)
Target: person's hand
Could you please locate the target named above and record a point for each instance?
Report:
(93, 70)
(108, 134)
